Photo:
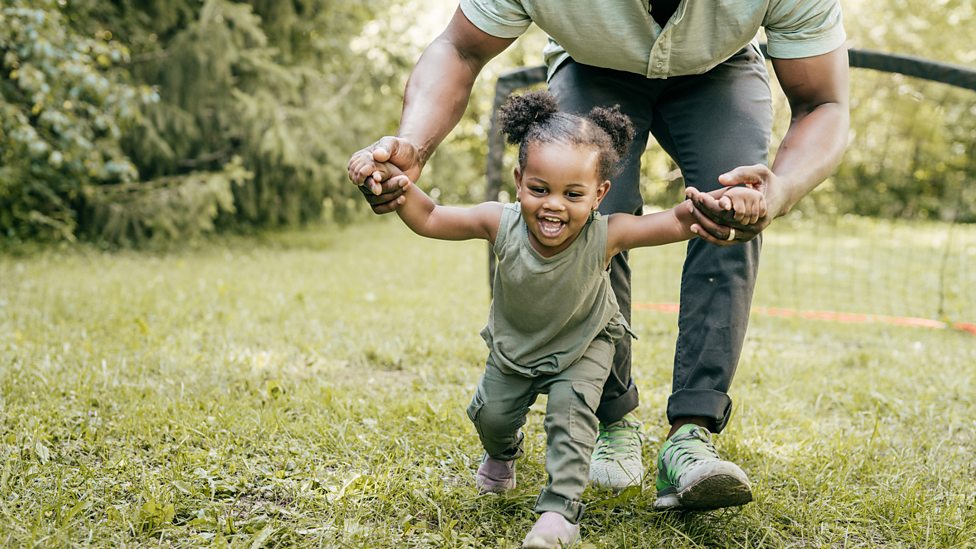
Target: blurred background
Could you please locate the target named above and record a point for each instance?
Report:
(124, 122)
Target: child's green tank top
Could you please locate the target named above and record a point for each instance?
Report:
(545, 311)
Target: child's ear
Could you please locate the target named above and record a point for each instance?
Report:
(601, 191)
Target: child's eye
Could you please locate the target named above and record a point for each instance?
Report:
(538, 190)
(574, 194)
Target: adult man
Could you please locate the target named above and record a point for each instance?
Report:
(690, 74)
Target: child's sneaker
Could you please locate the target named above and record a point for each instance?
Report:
(691, 476)
(495, 475)
(616, 461)
(551, 531)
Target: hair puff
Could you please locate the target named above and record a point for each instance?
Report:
(616, 124)
(520, 112)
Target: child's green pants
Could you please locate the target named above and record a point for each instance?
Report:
(499, 409)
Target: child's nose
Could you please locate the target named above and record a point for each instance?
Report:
(554, 203)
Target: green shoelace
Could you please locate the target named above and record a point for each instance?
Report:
(620, 439)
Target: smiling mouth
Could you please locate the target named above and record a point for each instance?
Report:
(550, 227)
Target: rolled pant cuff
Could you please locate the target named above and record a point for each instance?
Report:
(571, 510)
(510, 453)
(701, 403)
(614, 409)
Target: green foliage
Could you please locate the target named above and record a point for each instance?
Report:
(910, 153)
(249, 81)
(146, 96)
(168, 208)
(62, 110)
(132, 101)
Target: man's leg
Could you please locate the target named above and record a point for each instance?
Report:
(710, 124)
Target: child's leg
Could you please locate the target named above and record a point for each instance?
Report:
(571, 429)
(498, 411)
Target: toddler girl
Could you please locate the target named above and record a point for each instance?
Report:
(554, 320)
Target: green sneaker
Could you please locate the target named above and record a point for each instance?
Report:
(691, 476)
(616, 461)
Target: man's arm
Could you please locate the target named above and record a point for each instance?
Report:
(436, 95)
(817, 91)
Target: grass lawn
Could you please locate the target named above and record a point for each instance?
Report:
(308, 389)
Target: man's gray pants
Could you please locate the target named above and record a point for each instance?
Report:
(709, 124)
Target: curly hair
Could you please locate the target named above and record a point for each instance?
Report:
(535, 118)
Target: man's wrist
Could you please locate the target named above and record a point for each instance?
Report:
(783, 201)
(421, 147)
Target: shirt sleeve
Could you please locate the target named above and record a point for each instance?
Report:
(499, 18)
(803, 28)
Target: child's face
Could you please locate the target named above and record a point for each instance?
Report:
(557, 191)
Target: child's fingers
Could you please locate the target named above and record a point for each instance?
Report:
(361, 168)
(742, 210)
(708, 201)
(373, 182)
(739, 212)
(380, 173)
(383, 170)
(745, 206)
(746, 213)
(750, 218)
(758, 212)
(401, 181)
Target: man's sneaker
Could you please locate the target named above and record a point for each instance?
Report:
(551, 531)
(691, 476)
(616, 462)
(495, 475)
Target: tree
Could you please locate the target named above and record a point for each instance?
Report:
(62, 111)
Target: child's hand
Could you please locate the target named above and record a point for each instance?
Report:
(383, 171)
(745, 204)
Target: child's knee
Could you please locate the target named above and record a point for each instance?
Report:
(492, 418)
(572, 407)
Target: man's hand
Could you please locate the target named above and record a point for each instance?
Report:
(718, 223)
(365, 170)
(434, 100)
(816, 88)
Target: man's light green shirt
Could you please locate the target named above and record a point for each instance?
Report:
(622, 35)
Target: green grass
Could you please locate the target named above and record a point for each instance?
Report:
(307, 389)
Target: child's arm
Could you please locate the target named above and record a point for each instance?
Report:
(426, 218)
(626, 231)
(635, 231)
